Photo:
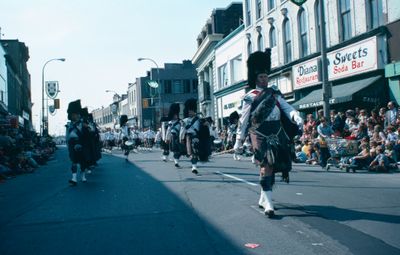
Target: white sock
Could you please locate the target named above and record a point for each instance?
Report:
(194, 166)
(74, 177)
(164, 157)
(83, 174)
(176, 161)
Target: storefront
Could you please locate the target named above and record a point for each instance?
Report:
(355, 73)
(228, 101)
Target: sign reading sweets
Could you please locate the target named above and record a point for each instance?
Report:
(305, 74)
(354, 59)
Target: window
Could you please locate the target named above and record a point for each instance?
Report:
(186, 86)
(303, 33)
(260, 44)
(249, 48)
(271, 4)
(372, 14)
(177, 87)
(223, 76)
(272, 37)
(345, 19)
(248, 13)
(167, 87)
(317, 26)
(259, 9)
(287, 41)
(236, 69)
(195, 84)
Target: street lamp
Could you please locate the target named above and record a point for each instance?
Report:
(43, 118)
(159, 84)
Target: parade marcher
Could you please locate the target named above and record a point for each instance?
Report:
(189, 134)
(125, 135)
(95, 140)
(75, 133)
(232, 128)
(172, 134)
(164, 145)
(87, 141)
(268, 119)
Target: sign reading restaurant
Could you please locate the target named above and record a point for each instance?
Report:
(354, 59)
(305, 74)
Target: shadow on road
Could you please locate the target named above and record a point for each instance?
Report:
(120, 210)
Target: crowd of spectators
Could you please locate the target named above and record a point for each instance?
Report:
(375, 133)
(22, 151)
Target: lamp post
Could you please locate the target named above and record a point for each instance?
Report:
(43, 118)
(158, 82)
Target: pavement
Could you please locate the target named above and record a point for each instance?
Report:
(146, 206)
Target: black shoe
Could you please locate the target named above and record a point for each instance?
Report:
(270, 213)
(72, 182)
(195, 171)
(177, 165)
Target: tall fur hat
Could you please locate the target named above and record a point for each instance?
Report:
(174, 109)
(233, 116)
(257, 63)
(123, 120)
(190, 105)
(84, 112)
(74, 107)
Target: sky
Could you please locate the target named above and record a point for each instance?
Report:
(101, 41)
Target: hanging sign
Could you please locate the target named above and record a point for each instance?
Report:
(298, 2)
(52, 89)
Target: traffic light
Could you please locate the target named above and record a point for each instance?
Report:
(56, 103)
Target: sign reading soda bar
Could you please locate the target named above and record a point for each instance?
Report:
(305, 74)
(354, 59)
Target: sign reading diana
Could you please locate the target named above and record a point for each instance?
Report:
(305, 74)
(354, 59)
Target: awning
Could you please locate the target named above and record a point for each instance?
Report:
(340, 93)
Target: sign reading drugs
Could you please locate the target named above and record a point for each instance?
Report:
(52, 89)
(354, 59)
(305, 74)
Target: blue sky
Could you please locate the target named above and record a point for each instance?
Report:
(101, 41)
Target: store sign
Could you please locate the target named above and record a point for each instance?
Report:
(357, 58)
(231, 102)
(298, 2)
(316, 104)
(305, 74)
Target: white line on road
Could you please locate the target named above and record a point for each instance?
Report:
(236, 178)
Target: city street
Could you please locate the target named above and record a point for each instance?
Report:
(146, 206)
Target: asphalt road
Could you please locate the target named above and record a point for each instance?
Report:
(147, 206)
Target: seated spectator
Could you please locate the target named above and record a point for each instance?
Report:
(378, 136)
(374, 118)
(391, 137)
(363, 117)
(301, 157)
(380, 162)
(362, 159)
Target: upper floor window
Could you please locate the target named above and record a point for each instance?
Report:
(287, 41)
(272, 37)
(345, 19)
(195, 84)
(223, 76)
(237, 69)
(248, 12)
(186, 86)
(260, 43)
(303, 33)
(167, 87)
(259, 9)
(271, 4)
(177, 87)
(372, 14)
(249, 48)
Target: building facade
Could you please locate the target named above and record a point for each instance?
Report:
(220, 24)
(3, 83)
(18, 82)
(357, 44)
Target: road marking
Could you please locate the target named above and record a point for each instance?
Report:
(317, 244)
(236, 178)
(299, 194)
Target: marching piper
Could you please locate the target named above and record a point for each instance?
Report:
(271, 122)
(172, 134)
(125, 136)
